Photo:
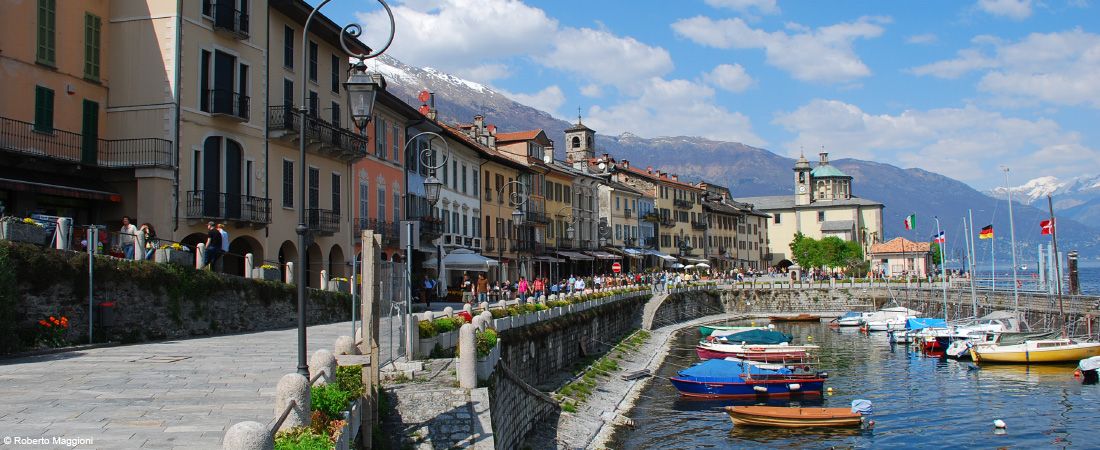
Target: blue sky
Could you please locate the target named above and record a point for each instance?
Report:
(956, 87)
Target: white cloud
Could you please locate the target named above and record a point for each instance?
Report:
(926, 38)
(548, 100)
(965, 143)
(605, 58)
(1013, 9)
(1061, 68)
(673, 108)
(761, 6)
(732, 78)
(591, 90)
(822, 55)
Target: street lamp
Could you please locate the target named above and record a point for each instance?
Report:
(432, 185)
(516, 200)
(362, 89)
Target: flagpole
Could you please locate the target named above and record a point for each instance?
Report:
(1012, 234)
(1057, 261)
(970, 261)
(942, 236)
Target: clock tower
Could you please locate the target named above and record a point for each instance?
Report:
(803, 184)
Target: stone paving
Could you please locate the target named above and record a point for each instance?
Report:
(172, 394)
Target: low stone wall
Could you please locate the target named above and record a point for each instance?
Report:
(141, 301)
(517, 408)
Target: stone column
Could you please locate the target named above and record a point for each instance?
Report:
(200, 250)
(324, 280)
(369, 326)
(294, 387)
(139, 246)
(289, 273)
(467, 357)
(64, 233)
(249, 261)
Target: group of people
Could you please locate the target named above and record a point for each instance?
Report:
(480, 289)
(217, 240)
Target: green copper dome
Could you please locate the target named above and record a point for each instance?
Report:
(827, 171)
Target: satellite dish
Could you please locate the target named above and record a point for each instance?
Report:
(424, 109)
(424, 96)
(547, 159)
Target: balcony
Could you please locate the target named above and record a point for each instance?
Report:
(667, 222)
(241, 209)
(226, 103)
(565, 243)
(650, 242)
(388, 230)
(587, 245)
(321, 138)
(537, 217)
(698, 225)
(430, 227)
(627, 213)
(227, 18)
(682, 204)
(651, 217)
(324, 221)
(21, 137)
(490, 244)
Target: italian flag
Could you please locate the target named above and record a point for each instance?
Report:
(910, 221)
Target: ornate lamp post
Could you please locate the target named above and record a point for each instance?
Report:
(361, 90)
(516, 200)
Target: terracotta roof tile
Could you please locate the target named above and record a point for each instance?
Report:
(518, 136)
(899, 245)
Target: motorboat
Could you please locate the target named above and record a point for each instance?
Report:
(796, 318)
(886, 319)
(850, 319)
(979, 331)
(751, 337)
(707, 330)
(1088, 368)
(778, 353)
(1031, 351)
(733, 378)
(784, 417)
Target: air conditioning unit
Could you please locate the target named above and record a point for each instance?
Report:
(477, 243)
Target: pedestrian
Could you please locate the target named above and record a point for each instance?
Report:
(540, 287)
(482, 288)
(126, 237)
(521, 288)
(469, 290)
(150, 239)
(426, 292)
(572, 282)
(213, 245)
(578, 285)
(225, 238)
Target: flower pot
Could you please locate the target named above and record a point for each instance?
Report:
(485, 365)
(338, 285)
(173, 256)
(267, 274)
(24, 232)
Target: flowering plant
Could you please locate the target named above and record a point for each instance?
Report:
(268, 267)
(174, 246)
(30, 221)
(52, 331)
(338, 279)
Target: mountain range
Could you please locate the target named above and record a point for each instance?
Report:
(1076, 198)
(750, 171)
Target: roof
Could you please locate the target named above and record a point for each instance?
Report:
(488, 153)
(578, 127)
(329, 31)
(654, 177)
(900, 245)
(721, 207)
(774, 202)
(518, 136)
(838, 225)
(827, 171)
(622, 187)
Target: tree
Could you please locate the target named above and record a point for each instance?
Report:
(804, 251)
(935, 250)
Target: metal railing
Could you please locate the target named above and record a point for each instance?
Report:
(490, 244)
(341, 143)
(698, 225)
(565, 243)
(388, 230)
(225, 102)
(651, 217)
(227, 17)
(626, 213)
(21, 137)
(668, 222)
(682, 204)
(650, 242)
(586, 244)
(323, 220)
(224, 206)
(537, 217)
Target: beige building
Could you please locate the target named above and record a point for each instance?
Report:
(900, 257)
(736, 235)
(681, 224)
(822, 205)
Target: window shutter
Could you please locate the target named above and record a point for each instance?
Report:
(43, 109)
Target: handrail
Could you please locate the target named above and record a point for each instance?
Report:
(282, 417)
(22, 137)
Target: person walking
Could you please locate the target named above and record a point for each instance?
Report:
(150, 239)
(213, 246)
(126, 236)
(482, 288)
(426, 292)
(522, 288)
(540, 287)
(225, 238)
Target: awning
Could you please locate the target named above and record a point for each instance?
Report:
(693, 260)
(575, 256)
(57, 185)
(466, 259)
(547, 259)
(637, 253)
(658, 254)
(603, 255)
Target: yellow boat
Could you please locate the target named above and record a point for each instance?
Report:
(1034, 351)
(777, 416)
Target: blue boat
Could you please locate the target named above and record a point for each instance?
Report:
(720, 378)
(754, 337)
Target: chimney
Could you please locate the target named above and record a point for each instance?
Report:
(626, 163)
(479, 122)
(432, 113)
(675, 177)
(649, 170)
(548, 153)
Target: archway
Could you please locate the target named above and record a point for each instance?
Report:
(784, 264)
(314, 264)
(337, 267)
(193, 240)
(233, 262)
(287, 253)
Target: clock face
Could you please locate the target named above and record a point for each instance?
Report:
(802, 189)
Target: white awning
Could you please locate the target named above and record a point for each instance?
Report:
(658, 254)
(603, 255)
(466, 259)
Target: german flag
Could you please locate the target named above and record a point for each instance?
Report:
(986, 233)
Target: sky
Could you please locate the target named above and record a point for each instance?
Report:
(957, 87)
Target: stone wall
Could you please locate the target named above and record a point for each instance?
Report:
(517, 408)
(143, 300)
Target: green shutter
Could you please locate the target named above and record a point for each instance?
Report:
(92, 36)
(47, 32)
(43, 109)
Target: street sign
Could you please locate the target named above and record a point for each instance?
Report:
(616, 267)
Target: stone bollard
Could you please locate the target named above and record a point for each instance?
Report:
(477, 322)
(553, 297)
(64, 233)
(484, 306)
(289, 273)
(139, 246)
(468, 308)
(249, 262)
(467, 357)
(448, 312)
(200, 250)
(428, 315)
(542, 299)
(502, 304)
(248, 436)
(324, 280)
(323, 362)
(486, 319)
(293, 387)
(345, 345)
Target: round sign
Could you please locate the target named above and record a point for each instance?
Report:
(616, 267)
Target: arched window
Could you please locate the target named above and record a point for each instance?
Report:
(576, 142)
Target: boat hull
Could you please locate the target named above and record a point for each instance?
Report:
(1026, 354)
(785, 387)
(798, 318)
(771, 357)
(707, 330)
(769, 416)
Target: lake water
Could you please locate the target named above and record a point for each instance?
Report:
(1088, 273)
(919, 402)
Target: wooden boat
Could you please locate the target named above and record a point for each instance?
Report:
(1034, 351)
(706, 330)
(783, 417)
(719, 378)
(766, 353)
(798, 318)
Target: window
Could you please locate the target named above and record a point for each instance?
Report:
(396, 206)
(314, 188)
(208, 8)
(380, 138)
(336, 193)
(454, 222)
(477, 177)
(43, 109)
(47, 32)
(778, 218)
(454, 170)
(204, 81)
(464, 172)
(248, 178)
(465, 225)
(381, 203)
(821, 216)
(92, 34)
(196, 163)
(288, 183)
(313, 61)
(616, 203)
(335, 114)
(396, 143)
(568, 195)
(618, 231)
(223, 84)
(288, 96)
(364, 200)
(477, 226)
(313, 103)
(288, 47)
(334, 74)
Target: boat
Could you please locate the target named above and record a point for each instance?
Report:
(783, 417)
(1033, 351)
(707, 330)
(886, 319)
(751, 337)
(721, 378)
(1088, 367)
(850, 319)
(979, 331)
(779, 353)
(797, 318)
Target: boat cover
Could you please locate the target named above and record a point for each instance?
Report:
(723, 370)
(1092, 363)
(1020, 338)
(918, 323)
(863, 407)
(758, 337)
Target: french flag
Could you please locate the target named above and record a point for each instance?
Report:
(939, 238)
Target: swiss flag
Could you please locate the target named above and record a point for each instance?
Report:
(1047, 226)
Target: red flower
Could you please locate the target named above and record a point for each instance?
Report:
(65, 321)
(53, 319)
(44, 323)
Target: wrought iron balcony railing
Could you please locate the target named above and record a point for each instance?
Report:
(650, 242)
(21, 137)
(537, 217)
(388, 230)
(651, 217)
(225, 102)
(698, 225)
(668, 222)
(682, 204)
(490, 244)
(255, 211)
(228, 18)
(325, 221)
(324, 138)
(627, 213)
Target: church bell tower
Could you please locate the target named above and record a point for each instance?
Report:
(579, 142)
(803, 184)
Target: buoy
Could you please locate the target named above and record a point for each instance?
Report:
(794, 386)
(760, 389)
(809, 338)
(753, 323)
(1077, 373)
(999, 423)
(829, 390)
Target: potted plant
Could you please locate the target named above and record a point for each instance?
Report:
(488, 352)
(24, 230)
(174, 253)
(338, 284)
(268, 272)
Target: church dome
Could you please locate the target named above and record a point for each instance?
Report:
(828, 171)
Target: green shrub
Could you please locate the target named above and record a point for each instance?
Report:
(302, 438)
(350, 380)
(498, 313)
(486, 340)
(529, 308)
(330, 400)
(427, 329)
(447, 324)
(515, 310)
(541, 307)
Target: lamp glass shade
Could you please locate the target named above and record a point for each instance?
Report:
(517, 217)
(362, 89)
(570, 232)
(432, 185)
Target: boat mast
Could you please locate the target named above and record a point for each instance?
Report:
(970, 257)
(943, 268)
(1012, 233)
(1057, 262)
